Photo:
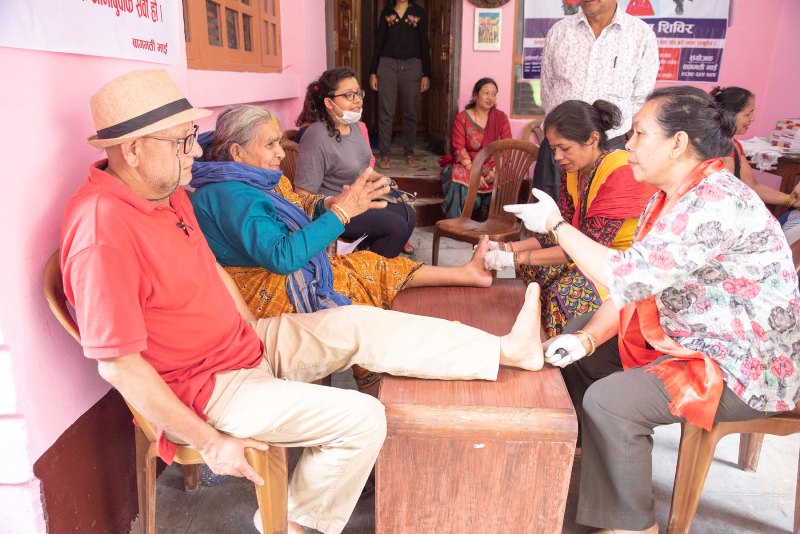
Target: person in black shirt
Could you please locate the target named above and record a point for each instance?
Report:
(401, 63)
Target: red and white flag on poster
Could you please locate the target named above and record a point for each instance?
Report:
(146, 30)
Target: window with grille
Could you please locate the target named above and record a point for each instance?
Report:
(236, 35)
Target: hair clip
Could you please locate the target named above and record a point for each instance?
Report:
(316, 88)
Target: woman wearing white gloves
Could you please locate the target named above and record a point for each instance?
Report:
(598, 195)
(702, 323)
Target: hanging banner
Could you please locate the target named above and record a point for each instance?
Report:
(691, 34)
(146, 30)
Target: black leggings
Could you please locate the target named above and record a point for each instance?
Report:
(387, 229)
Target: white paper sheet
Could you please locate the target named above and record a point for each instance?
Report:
(343, 247)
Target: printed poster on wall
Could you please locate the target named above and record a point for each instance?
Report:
(691, 34)
(146, 30)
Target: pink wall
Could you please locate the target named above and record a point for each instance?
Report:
(760, 54)
(46, 382)
(780, 96)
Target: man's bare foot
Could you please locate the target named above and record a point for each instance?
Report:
(475, 266)
(292, 527)
(522, 347)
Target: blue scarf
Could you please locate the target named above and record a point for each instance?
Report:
(310, 288)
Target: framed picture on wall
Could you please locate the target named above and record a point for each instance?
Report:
(487, 29)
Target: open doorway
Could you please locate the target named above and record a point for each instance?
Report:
(351, 27)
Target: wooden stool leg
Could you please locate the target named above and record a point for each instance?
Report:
(435, 249)
(192, 474)
(695, 453)
(146, 482)
(750, 450)
(273, 495)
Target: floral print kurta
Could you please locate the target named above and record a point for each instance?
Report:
(721, 272)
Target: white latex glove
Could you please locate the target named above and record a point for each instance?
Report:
(497, 260)
(534, 216)
(493, 245)
(564, 350)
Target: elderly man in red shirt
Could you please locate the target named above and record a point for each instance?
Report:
(170, 331)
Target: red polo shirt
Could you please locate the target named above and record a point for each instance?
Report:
(142, 279)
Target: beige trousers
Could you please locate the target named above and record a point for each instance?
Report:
(342, 430)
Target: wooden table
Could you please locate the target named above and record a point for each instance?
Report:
(474, 456)
(788, 169)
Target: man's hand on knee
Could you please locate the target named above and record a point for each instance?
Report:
(225, 456)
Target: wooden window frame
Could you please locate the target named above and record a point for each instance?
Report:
(517, 59)
(265, 30)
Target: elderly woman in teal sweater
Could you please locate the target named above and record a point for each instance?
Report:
(272, 240)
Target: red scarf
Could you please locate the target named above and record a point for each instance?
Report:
(494, 127)
(692, 379)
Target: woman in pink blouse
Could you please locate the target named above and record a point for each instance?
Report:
(474, 128)
(703, 319)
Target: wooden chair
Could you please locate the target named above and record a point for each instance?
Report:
(512, 159)
(271, 465)
(289, 163)
(796, 255)
(289, 135)
(533, 127)
(696, 451)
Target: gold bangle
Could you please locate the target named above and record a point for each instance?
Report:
(788, 200)
(516, 262)
(502, 246)
(529, 257)
(592, 341)
(339, 211)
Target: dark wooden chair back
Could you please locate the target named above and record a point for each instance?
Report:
(513, 159)
(289, 163)
(533, 127)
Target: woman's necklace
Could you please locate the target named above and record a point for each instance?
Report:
(480, 119)
(585, 182)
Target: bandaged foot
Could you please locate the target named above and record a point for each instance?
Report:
(522, 347)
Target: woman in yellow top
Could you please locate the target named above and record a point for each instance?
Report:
(598, 195)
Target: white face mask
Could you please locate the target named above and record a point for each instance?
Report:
(348, 117)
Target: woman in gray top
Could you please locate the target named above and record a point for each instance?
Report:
(333, 153)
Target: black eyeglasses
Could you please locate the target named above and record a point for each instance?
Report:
(350, 95)
(187, 142)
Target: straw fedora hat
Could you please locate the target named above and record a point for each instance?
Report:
(137, 104)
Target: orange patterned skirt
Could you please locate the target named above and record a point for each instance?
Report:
(364, 277)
